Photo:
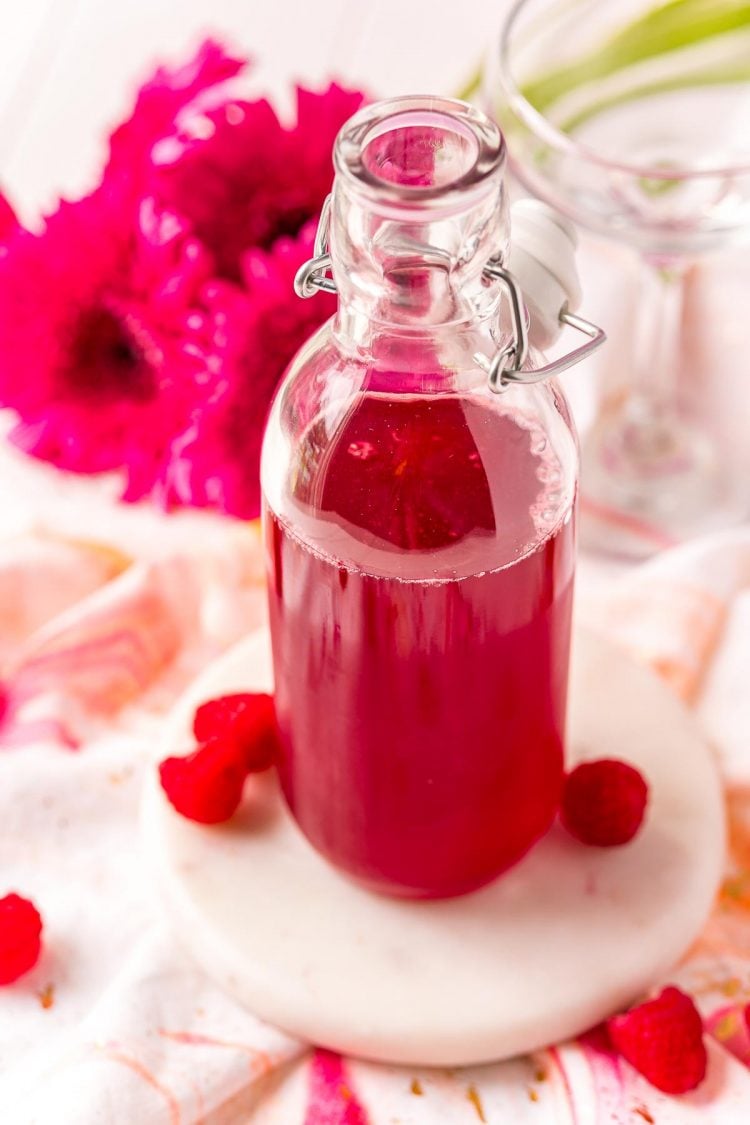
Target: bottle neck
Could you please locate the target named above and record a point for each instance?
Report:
(419, 207)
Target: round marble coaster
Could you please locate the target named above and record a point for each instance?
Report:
(558, 943)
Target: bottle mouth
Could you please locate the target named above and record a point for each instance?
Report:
(420, 150)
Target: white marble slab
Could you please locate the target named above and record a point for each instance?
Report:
(567, 937)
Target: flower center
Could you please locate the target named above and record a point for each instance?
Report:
(109, 359)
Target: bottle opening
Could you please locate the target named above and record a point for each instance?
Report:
(419, 148)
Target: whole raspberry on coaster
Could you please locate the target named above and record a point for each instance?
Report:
(205, 786)
(604, 802)
(20, 937)
(247, 719)
(237, 735)
(663, 1040)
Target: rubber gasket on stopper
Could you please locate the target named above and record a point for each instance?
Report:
(561, 941)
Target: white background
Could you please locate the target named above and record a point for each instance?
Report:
(68, 67)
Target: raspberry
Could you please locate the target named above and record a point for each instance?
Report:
(247, 719)
(205, 786)
(663, 1040)
(20, 937)
(604, 802)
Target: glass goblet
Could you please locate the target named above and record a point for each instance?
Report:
(632, 117)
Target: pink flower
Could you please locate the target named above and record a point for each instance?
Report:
(147, 326)
(240, 179)
(215, 462)
(99, 342)
(160, 101)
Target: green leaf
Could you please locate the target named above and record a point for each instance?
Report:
(669, 27)
(721, 76)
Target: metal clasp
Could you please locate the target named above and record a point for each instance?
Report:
(313, 275)
(507, 366)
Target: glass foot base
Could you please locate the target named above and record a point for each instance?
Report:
(650, 482)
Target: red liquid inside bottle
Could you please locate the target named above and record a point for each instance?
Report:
(420, 614)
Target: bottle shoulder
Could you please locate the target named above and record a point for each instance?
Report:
(326, 374)
(368, 461)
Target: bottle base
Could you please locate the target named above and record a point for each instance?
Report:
(421, 894)
(401, 887)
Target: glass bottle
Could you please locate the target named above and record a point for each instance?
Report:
(419, 528)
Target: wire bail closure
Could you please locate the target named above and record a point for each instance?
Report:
(312, 277)
(507, 365)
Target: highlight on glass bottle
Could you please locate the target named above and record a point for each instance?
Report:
(420, 528)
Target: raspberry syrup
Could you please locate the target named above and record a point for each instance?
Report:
(420, 585)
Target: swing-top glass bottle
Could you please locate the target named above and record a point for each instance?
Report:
(419, 527)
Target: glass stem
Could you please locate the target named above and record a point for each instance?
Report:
(653, 403)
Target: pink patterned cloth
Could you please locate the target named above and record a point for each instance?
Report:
(115, 1026)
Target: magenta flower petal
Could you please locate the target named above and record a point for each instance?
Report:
(215, 462)
(8, 220)
(240, 179)
(221, 173)
(160, 100)
(319, 119)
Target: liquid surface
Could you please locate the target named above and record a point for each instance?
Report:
(420, 618)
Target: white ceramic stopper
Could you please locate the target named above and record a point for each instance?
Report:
(542, 259)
